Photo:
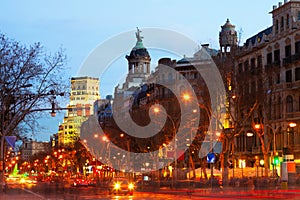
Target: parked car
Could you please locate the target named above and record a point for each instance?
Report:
(121, 186)
(80, 182)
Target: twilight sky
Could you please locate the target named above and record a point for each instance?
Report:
(80, 26)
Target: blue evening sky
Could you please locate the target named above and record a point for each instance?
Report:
(79, 26)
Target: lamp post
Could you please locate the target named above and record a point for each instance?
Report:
(174, 176)
(292, 125)
(262, 162)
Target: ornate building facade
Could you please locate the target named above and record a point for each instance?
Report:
(267, 74)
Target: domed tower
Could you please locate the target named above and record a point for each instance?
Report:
(139, 58)
(227, 37)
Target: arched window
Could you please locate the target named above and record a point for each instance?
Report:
(289, 104)
(170, 76)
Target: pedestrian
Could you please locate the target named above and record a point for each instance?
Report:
(4, 186)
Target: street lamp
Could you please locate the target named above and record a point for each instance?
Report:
(262, 162)
(249, 134)
(292, 125)
(156, 110)
(187, 98)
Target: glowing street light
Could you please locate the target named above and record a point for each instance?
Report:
(257, 126)
(292, 124)
(186, 97)
(249, 134)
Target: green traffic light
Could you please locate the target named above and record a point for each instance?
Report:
(276, 160)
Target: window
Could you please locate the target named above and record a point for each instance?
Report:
(252, 64)
(170, 77)
(287, 51)
(287, 21)
(278, 78)
(277, 56)
(297, 47)
(269, 58)
(297, 74)
(289, 104)
(281, 23)
(276, 28)
(299, 15)
(246, 66)
(259, 61)
(288, 76)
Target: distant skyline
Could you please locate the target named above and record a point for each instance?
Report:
(79, 27)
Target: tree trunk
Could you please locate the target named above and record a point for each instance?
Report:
(266, 164)
(203, 168)
(224, 166)
(266, 156)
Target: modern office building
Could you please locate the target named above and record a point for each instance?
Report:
(84, 92)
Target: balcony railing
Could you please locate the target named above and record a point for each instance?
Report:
(293, 115)
(273, 65)
(291, 59)
(287, 85)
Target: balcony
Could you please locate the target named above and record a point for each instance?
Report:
(293, 115)
(287, 85)
(274, 65)
(291, 59)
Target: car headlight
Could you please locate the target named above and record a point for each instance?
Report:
(117, 186)
(130, 186)
(22, 180)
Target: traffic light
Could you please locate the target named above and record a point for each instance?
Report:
(275, 160)
(230, 164)
(53, 113)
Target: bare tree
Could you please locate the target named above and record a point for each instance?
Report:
(29, 80)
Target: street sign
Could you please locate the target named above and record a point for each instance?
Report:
(211, 158)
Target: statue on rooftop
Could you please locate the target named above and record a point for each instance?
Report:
(138, 35)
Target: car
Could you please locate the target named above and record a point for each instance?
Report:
(80, 182)
(92, 182)
(121, 186)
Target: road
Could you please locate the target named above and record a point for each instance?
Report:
(53, 191)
